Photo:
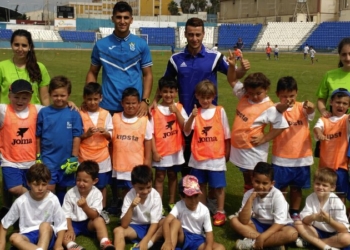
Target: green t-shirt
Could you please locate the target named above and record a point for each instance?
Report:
(333, 79)
(10, 73)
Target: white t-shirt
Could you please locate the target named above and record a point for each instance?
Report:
(212, 164)
(106, 165)
(276, 49)
(178, 157)
(300, 162)
(148, 136)
(273, 208)
(193, 221)
(22, 114)
(334, 206)
(306, 49)
(319, 124)
(248, 158)
(76, 213)
(147, 213)
(312, 52)
(32, 213)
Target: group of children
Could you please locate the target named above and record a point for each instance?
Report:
(55, 147)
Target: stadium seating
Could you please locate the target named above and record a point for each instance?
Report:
(229, 34)
(159, 36)
(107, 31)
(44, 35)
(328, 34)
(287, 35)
(77, 36)
(5, 34)
(208, 39)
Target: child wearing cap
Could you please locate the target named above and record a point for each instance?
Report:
(188, 225)
(17, 133)
(333, 134)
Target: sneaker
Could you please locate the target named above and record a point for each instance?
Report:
(219, 219)
(76, 247)
(244, 244)
(301, 243)
(105, 216)
(134, 247)
(212, 204)
(295, 217)
(107, 245)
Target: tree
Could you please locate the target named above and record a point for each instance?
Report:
(214, 8)
(200, 5)
(185, 6)
(173, 8)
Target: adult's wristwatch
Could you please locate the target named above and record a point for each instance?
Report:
(146, 100)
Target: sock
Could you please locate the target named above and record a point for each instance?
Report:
(327, 247)
(39, 248)
(103, 240)
(221, 211)
(150, 244)
(70, 244)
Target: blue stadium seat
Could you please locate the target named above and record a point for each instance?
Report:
(328, 34)
(77, 36)
(229, 34)
(5, 34)
(159, 36)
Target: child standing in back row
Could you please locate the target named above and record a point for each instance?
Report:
(255, 110)
(98, 129)
(167, 143)
(333, 134)
(210, 146)
(292, 149)
(58, 134)
(131, 138)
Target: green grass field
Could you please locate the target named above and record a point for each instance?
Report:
(75, 64)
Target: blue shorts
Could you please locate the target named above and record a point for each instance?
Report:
(81, 228)
(61, 179)
(192, 241)
(175, 168)
(33, 237)
(323, 234)
(292, 176)
(342, 185)
(124, 184)
(103, 179)
(243, 169)
(141, 231)
(215, 179)
(14, 177)
(260, 227)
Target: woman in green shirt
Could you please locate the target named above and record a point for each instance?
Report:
(336, 78)
(23, 65)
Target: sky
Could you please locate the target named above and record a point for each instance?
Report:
(30, 5)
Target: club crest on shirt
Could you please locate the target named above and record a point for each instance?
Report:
(132, 46)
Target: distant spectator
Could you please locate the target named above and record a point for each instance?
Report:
(215, 48)
(306, 50)
(238, 53)
(240, 44)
